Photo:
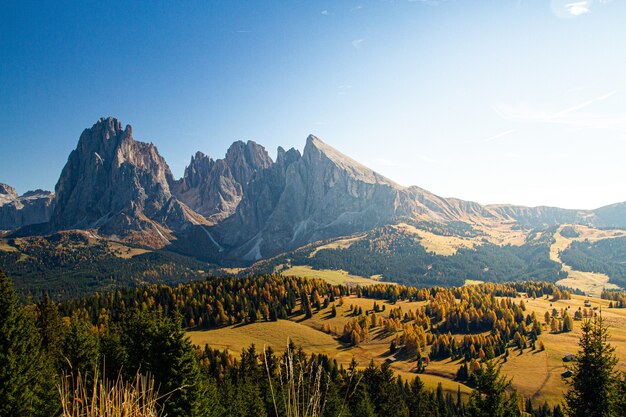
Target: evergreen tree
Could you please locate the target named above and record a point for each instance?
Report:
(80, 347)
(490, 398)
(594, 383)
(51, 329)
(25, 388)
(158, 345)
(384, 391)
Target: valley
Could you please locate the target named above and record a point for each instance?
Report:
(535, 374)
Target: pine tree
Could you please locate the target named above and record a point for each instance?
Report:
(490, 398)
(24, 385)
(594, 383)
(158, 345)
(80, 347)
(51, 329)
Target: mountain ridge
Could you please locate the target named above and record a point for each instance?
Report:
(245, 206)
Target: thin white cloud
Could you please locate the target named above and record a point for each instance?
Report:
(578, 8)
(355, 8)
(570, 116)
(325, 13)
(357, 43)
(499, 135)
(583, 104)
(343, 89)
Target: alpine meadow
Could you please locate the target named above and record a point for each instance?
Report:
(252, 245)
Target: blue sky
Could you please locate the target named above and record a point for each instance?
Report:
(501, 101)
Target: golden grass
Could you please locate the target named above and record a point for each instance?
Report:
(5, 247)
(233, 271)
(535, 374)
(105, 398)
(501, 233)
(438, 244)
(125, 252)
(308, 334)
(591, 283)
(275, 334)
(335, 277)
(472, 282)
(337, 244)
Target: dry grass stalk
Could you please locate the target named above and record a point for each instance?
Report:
(106, 398)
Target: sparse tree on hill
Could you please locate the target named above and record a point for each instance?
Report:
(594, 384)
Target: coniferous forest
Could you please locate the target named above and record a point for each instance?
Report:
(61, 359)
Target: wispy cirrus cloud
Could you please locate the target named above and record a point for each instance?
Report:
(342, 90)
(578, 8)
(570, 116)
(571, 8)
(357, 43)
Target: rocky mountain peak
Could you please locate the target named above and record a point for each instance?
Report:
(198, 170)
(244, 159)
(116, 184)
(215, 188)
(8, 191)
(19, 211)
(316, 151)
(284, 158)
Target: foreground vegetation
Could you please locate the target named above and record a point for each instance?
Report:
(128, 349)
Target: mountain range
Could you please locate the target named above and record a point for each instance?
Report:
(247, 207)
(119, 217)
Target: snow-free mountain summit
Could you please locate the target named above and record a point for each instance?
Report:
(246, 206)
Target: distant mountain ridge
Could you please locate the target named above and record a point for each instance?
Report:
(18, 211)
(246, 206)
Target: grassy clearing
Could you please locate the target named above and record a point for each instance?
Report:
(5, 247)
(308, 334)
(233, 271)
(275, 334)
(534, 374)
(590, 282)
(438, 244)
(337, 244)
(336, 277)
(125, 252)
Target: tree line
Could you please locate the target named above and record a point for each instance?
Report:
(40, 346)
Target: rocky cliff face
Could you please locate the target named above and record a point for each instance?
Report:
(245, 206)
(321, 194)
(215, 188)
(120, 187)
(32, 207)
